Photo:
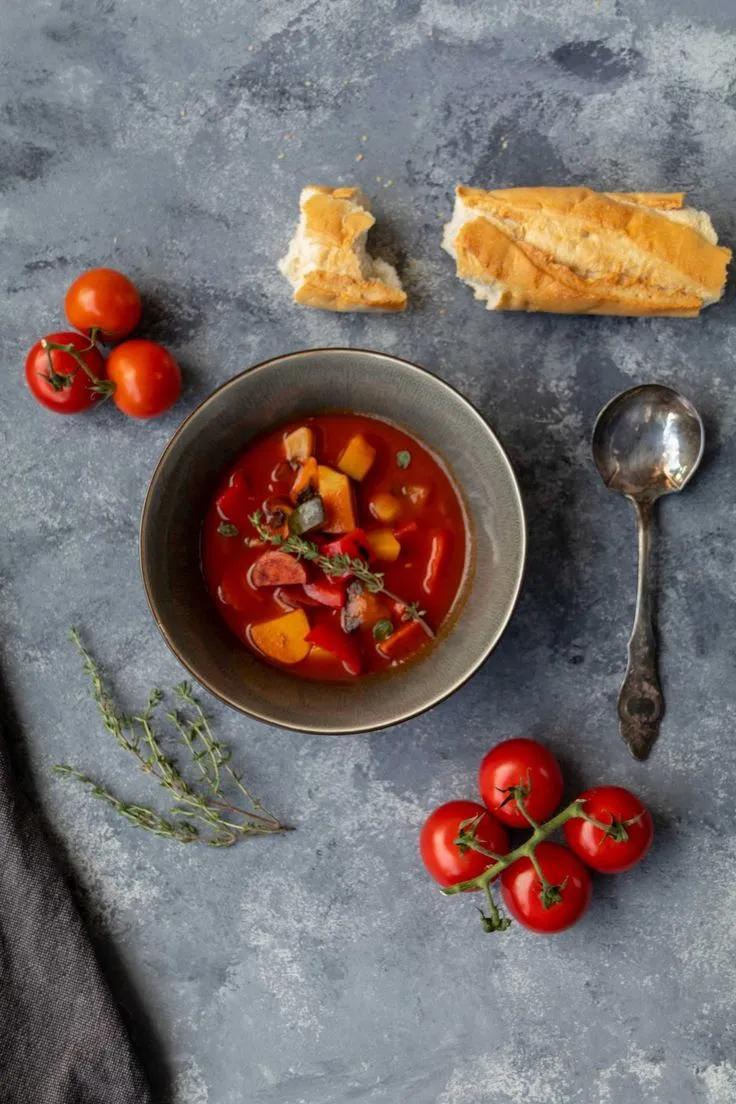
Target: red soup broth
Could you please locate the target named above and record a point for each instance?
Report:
(404, 518)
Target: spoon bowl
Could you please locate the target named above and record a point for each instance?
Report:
(647, 442)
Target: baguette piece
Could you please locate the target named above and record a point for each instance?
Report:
(327, 263)
(576, 251)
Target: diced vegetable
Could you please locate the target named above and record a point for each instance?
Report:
(361, 608)
(277, 569)
(439, 550)
(356, 458)
(383, 544)
(353, 544)
(385, 507)
(404, 641)
(235, 504)
(309, 515)
(283, 638)
(294, 597)
(306, 479)
(403, 458)
(299, 444)
(417, 493)
(327, 592)
(330, 637)
(337, 498)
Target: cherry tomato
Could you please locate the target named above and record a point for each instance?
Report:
(568, 880)
(526, 764)
(146, 377)
(443, 859)
(626, 840)
(104, 300)
(64, 386)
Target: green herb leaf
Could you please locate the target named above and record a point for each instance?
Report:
(382, 629)
(226, 529)
(403, 458)
(208, 802)
(333, 566)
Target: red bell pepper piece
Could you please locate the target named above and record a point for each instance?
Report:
(327, 592)
(236, 503)
(331, 637)
(439, 550)
(404, 641)
(353, 544)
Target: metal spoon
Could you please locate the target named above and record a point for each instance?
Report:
(647, 442)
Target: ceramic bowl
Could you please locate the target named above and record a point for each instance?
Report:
(312, 382)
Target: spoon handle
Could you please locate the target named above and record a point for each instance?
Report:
(640, 701)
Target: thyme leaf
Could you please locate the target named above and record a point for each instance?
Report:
(202, 811)
(227, 529)
(334, 566)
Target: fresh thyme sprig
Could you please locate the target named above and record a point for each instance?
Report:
(342, 564)
(139, 815)
(202, 811)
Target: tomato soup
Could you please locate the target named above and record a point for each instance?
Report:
(335, 546)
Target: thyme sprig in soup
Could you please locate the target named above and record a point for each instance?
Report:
(335, 546)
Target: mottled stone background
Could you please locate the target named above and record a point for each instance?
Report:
(171, 139)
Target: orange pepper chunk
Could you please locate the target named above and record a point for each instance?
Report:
(337, 498)
(385, 507)
(283, 638)
(306, 478)
(404, 642)
(356, 458)
(383, 544)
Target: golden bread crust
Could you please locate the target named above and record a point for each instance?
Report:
(573, 250)
(327, 263)
(328, 291)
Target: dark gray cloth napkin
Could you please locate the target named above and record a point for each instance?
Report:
(61, 1037)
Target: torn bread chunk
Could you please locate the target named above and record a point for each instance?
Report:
(327, 263)
(576, 251)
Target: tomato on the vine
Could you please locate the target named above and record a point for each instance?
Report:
(622, 836)
(553, 907)
(446, 862)
(147, 378)
(65, 380)
(104, 300)
(522, 766)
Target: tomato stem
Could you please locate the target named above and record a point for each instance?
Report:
(494, 921)
(615, 829)
(525, 850)
(60, 380)
(520, 793)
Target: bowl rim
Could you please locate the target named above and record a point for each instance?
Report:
(264, 717)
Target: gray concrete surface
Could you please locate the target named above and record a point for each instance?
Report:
(171, 140)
